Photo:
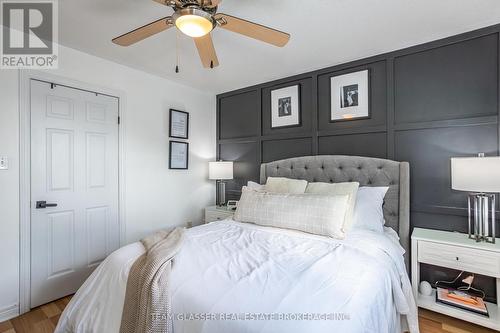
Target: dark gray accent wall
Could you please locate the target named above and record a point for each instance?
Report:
(428, 103)
(449, 82)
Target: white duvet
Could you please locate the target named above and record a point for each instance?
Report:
(238, 277)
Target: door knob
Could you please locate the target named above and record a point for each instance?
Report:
(44, 204)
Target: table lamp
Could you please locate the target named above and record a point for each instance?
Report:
(220, 171)
(481, 177)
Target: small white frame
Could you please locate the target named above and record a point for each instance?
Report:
(292, 120)
(362, 109)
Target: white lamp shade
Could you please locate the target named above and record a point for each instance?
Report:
(476, 174)
(220, 170)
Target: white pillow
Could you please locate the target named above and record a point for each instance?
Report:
(256, 186)
(285, 185)
(368, 211)
(349, 189)
(316, 214)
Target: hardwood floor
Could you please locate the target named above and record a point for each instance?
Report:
(432, 322)
(44, 320)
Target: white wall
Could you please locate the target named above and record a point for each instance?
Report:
(156, 197)
(9, 194)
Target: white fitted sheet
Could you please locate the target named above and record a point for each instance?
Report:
(238, 269)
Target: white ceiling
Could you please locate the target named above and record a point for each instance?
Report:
(324, 33)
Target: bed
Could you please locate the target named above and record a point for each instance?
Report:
(365, 170)
(240, 277)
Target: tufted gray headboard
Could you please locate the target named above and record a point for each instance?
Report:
(365, 170)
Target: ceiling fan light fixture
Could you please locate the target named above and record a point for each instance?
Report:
(196, 19)
(194, 22)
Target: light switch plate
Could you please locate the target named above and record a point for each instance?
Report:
(4, 163)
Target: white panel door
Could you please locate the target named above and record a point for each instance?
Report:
(74, 165)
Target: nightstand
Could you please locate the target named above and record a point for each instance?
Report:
(215, 213)
(456, 251)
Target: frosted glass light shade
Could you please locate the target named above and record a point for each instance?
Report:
(220, 170)
(194, 25)
(476, 174)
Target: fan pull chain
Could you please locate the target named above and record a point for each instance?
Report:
(176, 51)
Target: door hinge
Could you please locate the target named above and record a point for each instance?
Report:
(118, 120)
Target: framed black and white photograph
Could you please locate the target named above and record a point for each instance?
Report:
(179, 124)
(285, 107)
(350, 96)
(178, 155)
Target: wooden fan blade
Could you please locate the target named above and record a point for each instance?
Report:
(163, 2)
(206, 50)
(252, 30)
(144, 32)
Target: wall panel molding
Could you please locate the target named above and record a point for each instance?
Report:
(448, 82)
(477, 121)
(273, 150)
(355, 130)
(390, 107)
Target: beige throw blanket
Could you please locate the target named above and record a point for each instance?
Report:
(147, 300)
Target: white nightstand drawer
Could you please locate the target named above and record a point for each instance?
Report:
(216, 214)
(460, 258)
(209, 217)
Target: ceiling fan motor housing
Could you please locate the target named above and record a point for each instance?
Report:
(204, 5)
(189, 2)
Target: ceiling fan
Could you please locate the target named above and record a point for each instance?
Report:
(197, 18)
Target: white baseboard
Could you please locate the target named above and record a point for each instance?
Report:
(9, 312)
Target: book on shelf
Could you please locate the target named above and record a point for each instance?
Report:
(462, 300)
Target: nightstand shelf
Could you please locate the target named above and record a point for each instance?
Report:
(215, 213)
(456, 251)
(429, 303)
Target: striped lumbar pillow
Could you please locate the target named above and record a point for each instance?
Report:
(316, 214)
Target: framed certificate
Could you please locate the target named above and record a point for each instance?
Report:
(179, 124)
(178, 155)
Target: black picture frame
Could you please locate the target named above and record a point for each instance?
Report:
(170, 131)
(171, 143)
(299, 106)
(369, 97)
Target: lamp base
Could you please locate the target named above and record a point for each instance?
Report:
(481, 222)
(221, 193)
